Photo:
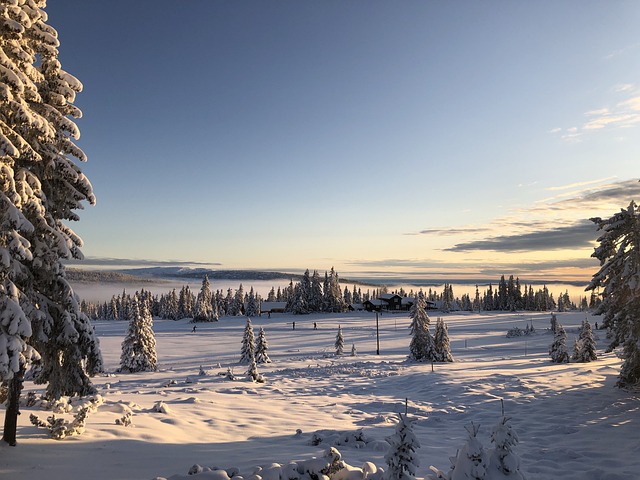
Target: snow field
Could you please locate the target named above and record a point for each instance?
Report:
(571, 420)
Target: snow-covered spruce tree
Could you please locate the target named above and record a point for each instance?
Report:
(619, 280)
(236, 308)
(471, 461)
(401, 456)
(253, 373)
(576, 350)
(442, 343)
(139, 345)
(297, 303)
(334, 302)
(422, 347)
(261, 348)
(40, 186)
(586, 344)
(253, 304)
(248, 350)
(316, 295)
(339, 345)
(503, 461)
(203, 311)
(558, 350)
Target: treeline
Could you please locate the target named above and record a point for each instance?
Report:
(508, 295)
(310, 294)
(316, 294)
(175, 305)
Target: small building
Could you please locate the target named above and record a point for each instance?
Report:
(375, 305)
(393, 301)
(273, 307)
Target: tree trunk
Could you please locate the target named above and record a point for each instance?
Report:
(13, 408)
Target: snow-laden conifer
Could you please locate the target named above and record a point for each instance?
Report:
(236, 307)
(139, 345)
(558, 350)
(253, 373)
(339, 345)
(442, 343)
(203, 311)
(471, 461)
(401, 457)
(586, 344)
(297, 303)
(315, 293)
(253, 304)
(422, 347)
(333, 300)
(503, 461)
(40, 187)
(248, 350)
(261, 348)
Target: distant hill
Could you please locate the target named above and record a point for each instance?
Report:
(199, 273)
(101, 276)
(155, 274)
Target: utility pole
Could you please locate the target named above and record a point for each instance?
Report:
(377, 336)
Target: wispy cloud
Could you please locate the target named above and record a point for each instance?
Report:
(607, 196)
(622, 113)
(451, 231)
(621, 51)
(581, 184)
(623, 87)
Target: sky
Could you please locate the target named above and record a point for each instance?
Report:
(417, 138)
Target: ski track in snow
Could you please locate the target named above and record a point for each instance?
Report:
(571, 420)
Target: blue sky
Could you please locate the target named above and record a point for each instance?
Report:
(420, 138)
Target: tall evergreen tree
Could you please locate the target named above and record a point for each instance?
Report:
(558, 350)
(422, 347)
(271, 296)
(237, 304)
(442, 344)
(248, 350)
(333, 300)
(40, 187)
(261, 348)
(586, 344)
(253, 304)
(139, 345)
(203, 311)
(339, 342)
(297, 303)
(619, 278)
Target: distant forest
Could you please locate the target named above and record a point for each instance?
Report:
(314, 294)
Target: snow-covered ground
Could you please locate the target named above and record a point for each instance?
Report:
(572, 422)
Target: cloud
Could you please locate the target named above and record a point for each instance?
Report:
(536, 268)
(451, 231)
(624, 113)
(621, 51)
(606, 196)
(623, 87)
(580, 184)
(578, 235)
